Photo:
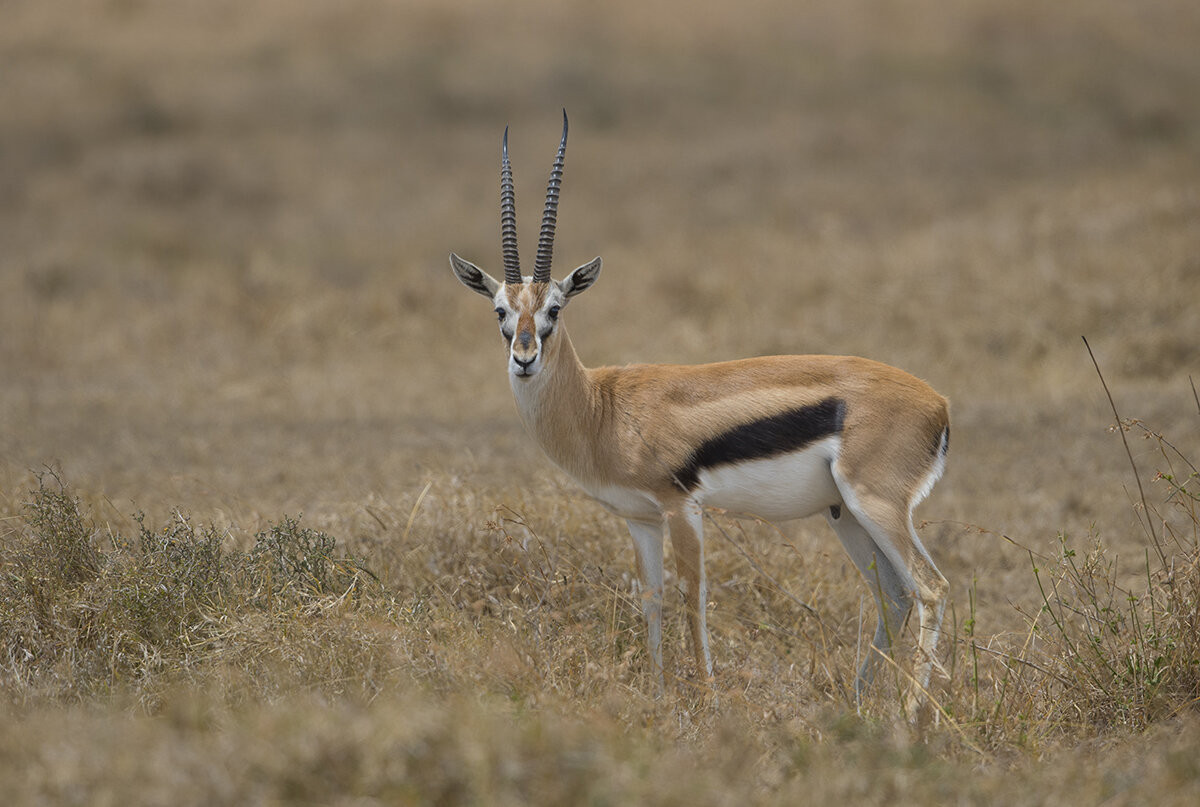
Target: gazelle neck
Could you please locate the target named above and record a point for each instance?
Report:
(559, 406)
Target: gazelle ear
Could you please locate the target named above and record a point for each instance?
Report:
(473, 277)
(580, 279)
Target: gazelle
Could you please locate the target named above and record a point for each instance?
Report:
(778, 437)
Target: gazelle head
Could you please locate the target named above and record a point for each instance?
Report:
(527, 306)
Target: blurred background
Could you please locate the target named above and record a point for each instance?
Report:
(224, 230)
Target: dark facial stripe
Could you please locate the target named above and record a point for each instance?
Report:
(766, 437)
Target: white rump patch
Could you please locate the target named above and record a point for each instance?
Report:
(935, 473)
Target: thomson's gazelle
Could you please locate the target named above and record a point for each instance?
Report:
(778, 437)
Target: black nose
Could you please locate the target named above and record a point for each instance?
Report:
(524, 363)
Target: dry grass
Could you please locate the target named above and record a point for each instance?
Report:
(224, 302)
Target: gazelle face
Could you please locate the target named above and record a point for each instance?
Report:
(528, 313)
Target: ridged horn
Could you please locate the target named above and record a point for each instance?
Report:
(545, 251)
(508, 217)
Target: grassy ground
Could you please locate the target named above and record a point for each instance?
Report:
(225, 302)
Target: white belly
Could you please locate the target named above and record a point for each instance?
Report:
(779, 488)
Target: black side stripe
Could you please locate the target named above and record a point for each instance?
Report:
(766, 437)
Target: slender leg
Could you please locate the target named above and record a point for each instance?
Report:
(687, 539)
(891, 597)
(932, 589)
(648, 545)
(889, 525)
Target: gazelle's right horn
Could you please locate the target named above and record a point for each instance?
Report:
(508, 217)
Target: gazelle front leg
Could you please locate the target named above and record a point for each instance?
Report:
(648, 546)
(685, 523)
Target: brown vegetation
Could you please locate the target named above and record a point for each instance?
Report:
(224, 302)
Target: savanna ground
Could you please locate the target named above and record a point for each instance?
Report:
(271, 532)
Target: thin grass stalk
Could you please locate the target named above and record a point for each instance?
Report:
(1129, 453)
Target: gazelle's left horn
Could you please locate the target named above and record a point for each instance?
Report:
(545, 250)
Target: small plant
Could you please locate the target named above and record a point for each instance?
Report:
(293, 561)
(1128, 649)
(64, 552)
(179, 577)
(1129, 655)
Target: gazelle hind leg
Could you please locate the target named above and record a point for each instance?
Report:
(892, 597)
(648, 547)
(931, 609)
(687, 539)
(890, 526)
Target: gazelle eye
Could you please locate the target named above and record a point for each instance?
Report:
(553, 312)
(501, 314)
